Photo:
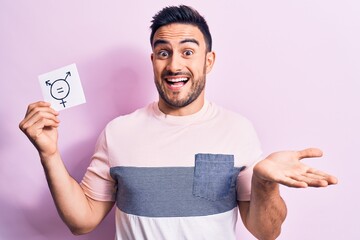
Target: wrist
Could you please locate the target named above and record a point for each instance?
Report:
(47, 158)
(264, 185)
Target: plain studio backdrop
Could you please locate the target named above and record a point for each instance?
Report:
(291, 67)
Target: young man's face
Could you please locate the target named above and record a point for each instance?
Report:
(180, 63)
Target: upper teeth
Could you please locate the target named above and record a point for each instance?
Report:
(177, 79)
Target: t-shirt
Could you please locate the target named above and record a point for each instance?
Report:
(174, 177)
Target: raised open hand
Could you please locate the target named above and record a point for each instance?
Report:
(286, 168)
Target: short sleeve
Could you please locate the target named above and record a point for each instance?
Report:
(250, 154)
(97, 182)
(243, 184)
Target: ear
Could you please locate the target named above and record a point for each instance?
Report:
(152, 57)
(210, 60)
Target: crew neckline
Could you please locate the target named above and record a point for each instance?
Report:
(180, 120)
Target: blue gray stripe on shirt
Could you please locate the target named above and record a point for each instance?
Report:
(206, 189)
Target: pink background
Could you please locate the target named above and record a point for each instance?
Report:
(292, 67)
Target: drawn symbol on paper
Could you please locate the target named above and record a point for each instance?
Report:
(59, 89)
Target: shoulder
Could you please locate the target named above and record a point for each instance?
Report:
(131, 119)
(231, 117)
(234, 124)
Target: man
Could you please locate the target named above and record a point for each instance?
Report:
(181, 167)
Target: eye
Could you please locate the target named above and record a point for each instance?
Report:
(188, 52)
(163, 54)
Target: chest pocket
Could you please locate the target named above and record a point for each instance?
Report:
(214, 176)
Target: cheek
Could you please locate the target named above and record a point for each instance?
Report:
(158, 67)
(156, 71)
(198, 68)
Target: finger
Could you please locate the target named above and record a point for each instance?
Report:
(329, 178)
(35, 105)
(309, 153)
(38, 127)
(39, 107)
(291, 182)
(42, 111)
(30, 121)
(311, 180)
(35, 116)
(314, 176)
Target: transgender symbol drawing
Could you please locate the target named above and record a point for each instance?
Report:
(59, 89)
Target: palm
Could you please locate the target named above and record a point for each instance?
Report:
(285, 168)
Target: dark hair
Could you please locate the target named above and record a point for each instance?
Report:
(181, 14)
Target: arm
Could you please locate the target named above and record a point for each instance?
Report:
(79, 212)
(264, 214)
(266, 211)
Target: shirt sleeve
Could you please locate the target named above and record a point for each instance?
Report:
(251, 154)
(97, 182)
(244, 184)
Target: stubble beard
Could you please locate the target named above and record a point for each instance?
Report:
(174, 101)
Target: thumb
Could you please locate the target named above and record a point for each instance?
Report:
(309, 153)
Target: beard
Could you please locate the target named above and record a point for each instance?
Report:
(172, 99)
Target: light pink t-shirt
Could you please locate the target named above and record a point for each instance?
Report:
(174, 177)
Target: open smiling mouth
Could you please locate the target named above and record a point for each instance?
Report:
(177, 82)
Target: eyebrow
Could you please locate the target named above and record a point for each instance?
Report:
(162, 41)
(192, 40)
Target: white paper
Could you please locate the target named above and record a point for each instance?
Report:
(62, 88)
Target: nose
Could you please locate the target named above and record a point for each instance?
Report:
(175, 63)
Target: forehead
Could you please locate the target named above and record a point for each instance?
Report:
(176, 32)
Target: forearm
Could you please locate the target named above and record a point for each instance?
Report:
(267, 210)
(69, 198)
(80, 213)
